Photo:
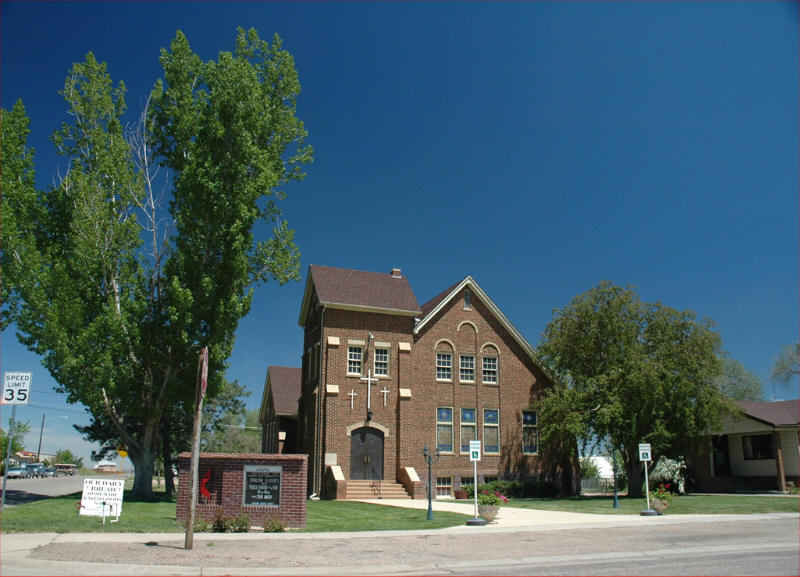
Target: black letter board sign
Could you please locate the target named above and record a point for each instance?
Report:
(262, 485)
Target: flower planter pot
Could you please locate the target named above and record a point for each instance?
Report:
(488, 512)
(658, 505)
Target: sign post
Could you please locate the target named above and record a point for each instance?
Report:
(16, 391)
(202, 380)
(475, 456)
(646, 455)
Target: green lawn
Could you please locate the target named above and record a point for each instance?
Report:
(59, 513)
(354, 516)
(685, 504)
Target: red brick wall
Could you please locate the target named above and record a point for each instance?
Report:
(411, 422)
(225, 487)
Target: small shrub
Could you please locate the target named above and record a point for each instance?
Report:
(239, 523)
(220, 523)
(273, 524)
(236, 524)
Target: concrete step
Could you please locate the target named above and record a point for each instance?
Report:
(388, 489)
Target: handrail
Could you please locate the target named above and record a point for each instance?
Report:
(375, 484)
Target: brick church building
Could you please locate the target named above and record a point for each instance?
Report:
(383, 378)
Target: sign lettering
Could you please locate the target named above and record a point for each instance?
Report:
(102, 497)
(262, 485)
(16, 388)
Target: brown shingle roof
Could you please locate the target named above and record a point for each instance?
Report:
(353, 288)
(285, 389)
(777, 413)
(434, 302)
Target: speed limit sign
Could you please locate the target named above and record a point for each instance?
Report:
(16, 388)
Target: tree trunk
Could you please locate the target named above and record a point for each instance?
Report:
(143, 459)
(166, 455)
(635, 477)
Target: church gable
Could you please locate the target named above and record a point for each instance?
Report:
(467, 296)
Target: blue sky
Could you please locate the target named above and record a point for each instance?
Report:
(540, 147)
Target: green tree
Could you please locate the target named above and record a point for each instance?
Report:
(17, 444)
(117, 306)
(238, 432)
(66, 456)
(786, 366)
(631, 372)
(737, 383)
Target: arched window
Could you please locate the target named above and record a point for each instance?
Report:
(444, 361)
(490, 373)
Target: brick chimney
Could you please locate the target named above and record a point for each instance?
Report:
(396, 273)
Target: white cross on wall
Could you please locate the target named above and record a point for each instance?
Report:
(352, 394)
(385, 392)
(370, 379)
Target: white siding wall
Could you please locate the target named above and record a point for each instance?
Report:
(764, 467)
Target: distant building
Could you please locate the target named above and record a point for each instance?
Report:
(383, 378)
(106, 467)
(278, 415)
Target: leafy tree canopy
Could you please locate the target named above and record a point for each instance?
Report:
(66, 456)
(116, 291)
(786, 366)
(631, 372)
(21, 428)
(739, 384)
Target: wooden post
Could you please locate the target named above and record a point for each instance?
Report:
(776, 440)
(202, 375)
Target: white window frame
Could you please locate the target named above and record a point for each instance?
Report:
(464, 370)
(489, 374)
(448, 424)
(496, 427)
(355, 358)
(440, 366)
(444, 486)
(468, 425)
(381, 362)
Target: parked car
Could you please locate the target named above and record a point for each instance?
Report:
(18, 472)
(50, 472)
(35, 469)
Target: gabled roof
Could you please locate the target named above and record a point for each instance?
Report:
(358, 290)
(284, 385)
(431, 308)
(775, 413)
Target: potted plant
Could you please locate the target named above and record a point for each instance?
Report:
(661, 498)
(489, 503)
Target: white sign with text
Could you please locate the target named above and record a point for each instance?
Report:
(102, 497)
(16, 388)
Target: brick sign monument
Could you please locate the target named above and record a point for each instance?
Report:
(258, 485)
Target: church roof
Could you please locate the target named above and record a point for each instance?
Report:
(285, 382)
(440, 298)
(359, 290)
(776, 413)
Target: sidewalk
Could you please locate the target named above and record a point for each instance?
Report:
(366, 553)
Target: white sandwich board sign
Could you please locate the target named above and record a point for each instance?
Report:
(102, 497)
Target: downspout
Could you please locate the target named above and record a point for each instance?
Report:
(318, 458)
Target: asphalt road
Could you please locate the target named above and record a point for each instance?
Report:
(20, 491)
(763, 545)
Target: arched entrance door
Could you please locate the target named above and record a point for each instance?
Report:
(366, 454)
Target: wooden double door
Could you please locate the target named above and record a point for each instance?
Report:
(366, 454)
